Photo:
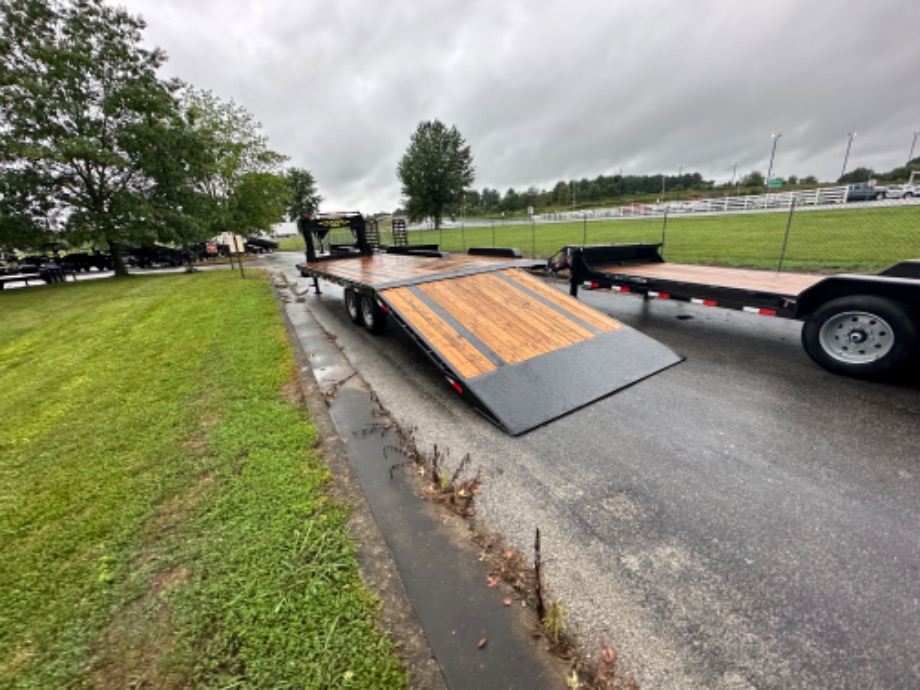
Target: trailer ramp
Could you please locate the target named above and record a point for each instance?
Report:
(522, 352)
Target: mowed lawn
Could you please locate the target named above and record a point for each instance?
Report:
(865, 239)
(164, 520)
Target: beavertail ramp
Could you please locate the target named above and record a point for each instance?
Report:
(519, 350)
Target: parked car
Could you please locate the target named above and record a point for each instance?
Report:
(863, 191)
(902, 191)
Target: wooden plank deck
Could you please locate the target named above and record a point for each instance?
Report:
(790, 284)
(381, 269)
(480, 322)
(522, 352)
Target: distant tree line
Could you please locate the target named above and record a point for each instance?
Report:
(437, 173)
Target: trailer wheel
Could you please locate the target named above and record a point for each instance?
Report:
(373, 315)
(353, 306)
(862, 336)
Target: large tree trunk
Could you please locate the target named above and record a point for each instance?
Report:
(118, 260)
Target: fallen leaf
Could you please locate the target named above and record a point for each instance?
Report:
(608, 655)
(482, 642)
(572, 681)
(493, 580)
(507, 601)
(509, 555)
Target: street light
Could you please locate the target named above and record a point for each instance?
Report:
(847, 154)
(772, 154)
(680, 171)
(734, 173)
(910, 156)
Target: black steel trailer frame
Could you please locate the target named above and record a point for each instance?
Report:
(858, 325)
(534, 354)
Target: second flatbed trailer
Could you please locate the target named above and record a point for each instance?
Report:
(520, 351)
(865, 326)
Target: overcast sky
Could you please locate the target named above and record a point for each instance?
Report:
(548, 90)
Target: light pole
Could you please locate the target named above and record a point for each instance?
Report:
(850, 136)
(680, 171)
(772, 154)
(910, 156)
(734, 174)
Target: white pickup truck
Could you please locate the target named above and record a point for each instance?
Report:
(905, 191)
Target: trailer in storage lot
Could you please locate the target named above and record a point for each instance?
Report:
(518, 350)
(857, 325)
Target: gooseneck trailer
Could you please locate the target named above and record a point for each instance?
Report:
(520, 351)
(865, 326)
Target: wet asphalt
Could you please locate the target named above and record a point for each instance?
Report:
(741, 520)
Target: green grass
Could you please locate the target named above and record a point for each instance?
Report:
(866, 239)
(163, 517)
(292, 244)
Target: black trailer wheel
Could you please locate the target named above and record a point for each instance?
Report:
(862, 336)
(373, 315)
(353, 306)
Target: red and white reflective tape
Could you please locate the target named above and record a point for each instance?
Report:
(592, 286)
(659, 295)
(457, 386)
(704, 302)
(620, 288)
(758, 310)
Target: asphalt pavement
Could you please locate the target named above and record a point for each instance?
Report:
(741, 520)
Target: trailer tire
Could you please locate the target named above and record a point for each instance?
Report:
(373, 315)
(863, 336)
(353, 302)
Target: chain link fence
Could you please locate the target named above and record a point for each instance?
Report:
(825, 238)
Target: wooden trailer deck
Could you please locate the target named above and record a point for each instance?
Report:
(520, 350)
(790, 284)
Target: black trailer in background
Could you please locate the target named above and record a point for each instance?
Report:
(865, 326)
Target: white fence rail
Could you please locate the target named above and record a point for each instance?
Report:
(724, 204)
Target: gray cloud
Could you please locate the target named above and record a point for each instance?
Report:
(548, 90)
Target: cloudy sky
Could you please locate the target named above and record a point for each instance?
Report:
(548, 90)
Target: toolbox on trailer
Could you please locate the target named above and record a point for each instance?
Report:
(520, 351)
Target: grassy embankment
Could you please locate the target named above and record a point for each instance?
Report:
(163, 518)
(865, 239)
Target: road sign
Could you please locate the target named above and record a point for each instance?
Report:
(775, 182)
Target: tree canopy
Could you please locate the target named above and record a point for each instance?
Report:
(82, 110)
(96, 149)
(304, 198)
(242, 179)
(435, 171)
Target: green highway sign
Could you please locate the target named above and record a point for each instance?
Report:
(775, 182)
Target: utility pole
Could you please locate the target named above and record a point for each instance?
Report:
(847, 154)
(910, 156)
(772, 154)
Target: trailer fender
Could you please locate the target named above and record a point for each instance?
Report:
(903, 290)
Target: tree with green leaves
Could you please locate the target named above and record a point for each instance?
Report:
(82, 114)
(856, 175)
(243, 180)
(304, 199)
(435, 171)
(753, 179)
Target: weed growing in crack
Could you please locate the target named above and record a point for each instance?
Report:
(554, 621)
